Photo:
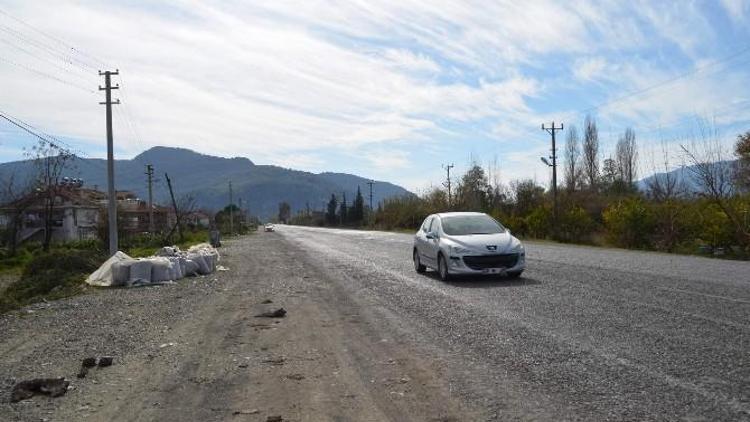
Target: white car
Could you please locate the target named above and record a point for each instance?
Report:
(268, 227)
(471, 243)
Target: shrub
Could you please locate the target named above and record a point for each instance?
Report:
(575, 225)
(629, 223)
(539, 222)
(52, 275)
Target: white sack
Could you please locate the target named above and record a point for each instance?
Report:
(103, 275)
(140, 272)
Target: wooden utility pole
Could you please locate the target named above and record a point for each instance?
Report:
(150, 174)
(174, 205)
(231, 210)
(447, 182)
(551, 130)
(111, 193)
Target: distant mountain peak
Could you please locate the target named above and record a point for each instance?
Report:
(159, 153)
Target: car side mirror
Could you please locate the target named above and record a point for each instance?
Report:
(432, 235)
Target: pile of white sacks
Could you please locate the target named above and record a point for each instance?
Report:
(169, 264)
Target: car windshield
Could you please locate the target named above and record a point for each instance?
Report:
(461, 225)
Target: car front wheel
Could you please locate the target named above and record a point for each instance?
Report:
(515, 274)
(443, 268)
(417, 263)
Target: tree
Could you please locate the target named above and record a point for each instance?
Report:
(742, 151)
(50, 161)
(591, 153)
(358, 208)
(331, 210)
(343, 214)
(16, 198)
(473, 189)
(663, 185)
(527, 195)
(715, 175)
(285, 212)
(627, 156)
(572, 160)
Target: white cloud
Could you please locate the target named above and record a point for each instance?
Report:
(590, 68)
(736, 9)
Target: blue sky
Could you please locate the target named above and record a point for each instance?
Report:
(388, 89)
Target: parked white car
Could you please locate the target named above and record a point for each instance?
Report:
(471, 243)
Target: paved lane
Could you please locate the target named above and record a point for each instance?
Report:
(586, 334)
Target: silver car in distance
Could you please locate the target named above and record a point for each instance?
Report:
(470, 243)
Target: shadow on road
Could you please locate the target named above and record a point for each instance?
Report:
(483, 282)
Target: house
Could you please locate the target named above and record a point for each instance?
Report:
(75, 214)
(78, 212)
(199, 219)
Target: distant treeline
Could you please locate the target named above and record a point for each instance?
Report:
(596, 204)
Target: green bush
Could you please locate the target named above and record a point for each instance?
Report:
(539, 222)
(630, 223)
(52, 275)
(575, 225)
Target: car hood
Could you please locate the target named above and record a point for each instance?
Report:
(479, 243)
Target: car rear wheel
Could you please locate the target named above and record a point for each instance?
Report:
(417, 263)
(443, 268)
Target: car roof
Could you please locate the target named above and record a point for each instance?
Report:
(454, 214)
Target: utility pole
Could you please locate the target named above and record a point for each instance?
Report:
(174, 205)
(231, 210)
(447, 182)
(150, 174)
(551, 130)
(111, 194)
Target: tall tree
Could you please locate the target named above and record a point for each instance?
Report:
(285, 212)
(51, 162)
(472, 192)
(572, 160)
(627, 156)
(343, 210)
(358, 208)
(16, 198)
(331, 210)
(742, 151)
(591, 153)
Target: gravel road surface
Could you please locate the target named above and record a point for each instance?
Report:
(586, 334)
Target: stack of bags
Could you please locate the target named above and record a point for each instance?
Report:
(169, 264)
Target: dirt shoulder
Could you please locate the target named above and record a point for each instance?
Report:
(195, 351)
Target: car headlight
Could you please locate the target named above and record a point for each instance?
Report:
(518, 248)
(459, 250)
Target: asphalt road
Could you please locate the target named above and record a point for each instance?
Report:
(585, 334)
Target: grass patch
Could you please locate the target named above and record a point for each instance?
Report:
(54, 275)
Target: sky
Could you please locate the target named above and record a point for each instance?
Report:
(390, 90)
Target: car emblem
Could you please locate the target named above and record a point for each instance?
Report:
(492, 247)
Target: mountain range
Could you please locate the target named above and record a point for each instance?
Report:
(206, 178)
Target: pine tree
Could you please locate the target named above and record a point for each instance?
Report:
(331, 211)
(358, 209)
(343, 214)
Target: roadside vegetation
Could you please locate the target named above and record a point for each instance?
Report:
(599, 202)
(32, 274)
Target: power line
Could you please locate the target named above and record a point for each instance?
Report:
(668, 81)
(47, 75)
(64, 57)
(57, 40)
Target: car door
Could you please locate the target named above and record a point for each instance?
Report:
(433, 245)
(422, 241)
